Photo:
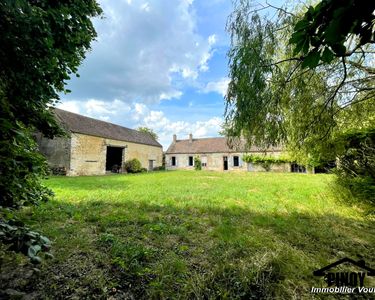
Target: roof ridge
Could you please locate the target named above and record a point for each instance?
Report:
(134, 135)
(97, 120)
(204, 138)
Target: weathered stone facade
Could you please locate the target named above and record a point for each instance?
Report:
(84, 150)
(215, 162)
(57, 151)
(216, 155)
(86, 155)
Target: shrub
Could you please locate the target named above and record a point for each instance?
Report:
(258, 159)
(58, 171)
(161, 168)
(356, 167)
(133, 166)
(265, 161)
(21, 238)
(40, 50)
(197, 163)
(266, 165)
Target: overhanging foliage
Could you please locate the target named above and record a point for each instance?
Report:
(42, 44)
(273, 99)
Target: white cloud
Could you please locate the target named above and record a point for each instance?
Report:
(103, 110)
(189, 73)
(219, 86)
(72, 106)
(165, 128)
(139, 114)
(170, 95)
(212, 39)
(140, 47)
(145, 6)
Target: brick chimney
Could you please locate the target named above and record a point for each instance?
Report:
(174, 138)
(190, 138)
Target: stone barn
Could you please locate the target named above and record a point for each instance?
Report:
(95, 147)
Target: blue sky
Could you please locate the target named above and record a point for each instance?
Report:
(156, 63)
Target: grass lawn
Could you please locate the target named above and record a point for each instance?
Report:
(195, 235)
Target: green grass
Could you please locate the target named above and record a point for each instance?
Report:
(196, 235)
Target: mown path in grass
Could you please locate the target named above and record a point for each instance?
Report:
(195, 235)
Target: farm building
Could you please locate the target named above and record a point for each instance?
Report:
(215, 154)
(94, 147)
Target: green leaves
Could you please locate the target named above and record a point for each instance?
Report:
(133, 166)
(33, 250)
(311, 60)
(327, 55)
(197, 163)
(42, 42)
(21, 239)
(252, 158)
(327, 27)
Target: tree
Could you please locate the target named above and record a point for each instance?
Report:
(334, 28)
(149, 131)
(304, 101)
(42, 44)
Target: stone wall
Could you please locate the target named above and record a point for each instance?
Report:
(82, 154)
(88, 154)
(215, 162)
(281, 167)
(57, 151)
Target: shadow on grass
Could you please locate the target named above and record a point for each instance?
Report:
(142, 250)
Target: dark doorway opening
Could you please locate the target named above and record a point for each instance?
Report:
(296, 168)
(326, 167)
(113, 161)
(225, 161)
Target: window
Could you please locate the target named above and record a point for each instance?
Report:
(204, 161)
(236, 161)
(191, 161)
(173, 161)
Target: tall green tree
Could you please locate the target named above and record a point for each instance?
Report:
(149, 131)
(282, 93)
(42, 44)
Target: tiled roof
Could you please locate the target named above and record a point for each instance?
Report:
(85, 125)
(212, 145)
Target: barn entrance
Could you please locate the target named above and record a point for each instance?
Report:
(113, 160)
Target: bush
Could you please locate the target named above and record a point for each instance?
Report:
(133, 166)
(356, 167)
(267, 160)
(21, 238)
(266, 165)
(58, 171)
(161, 168)
(263, 160)
(197, 163)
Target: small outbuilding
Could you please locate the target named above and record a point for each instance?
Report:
(95, 147)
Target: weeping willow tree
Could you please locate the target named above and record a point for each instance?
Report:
(291, 85)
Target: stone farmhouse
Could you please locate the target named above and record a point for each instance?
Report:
(215, 154)
(94, 147)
